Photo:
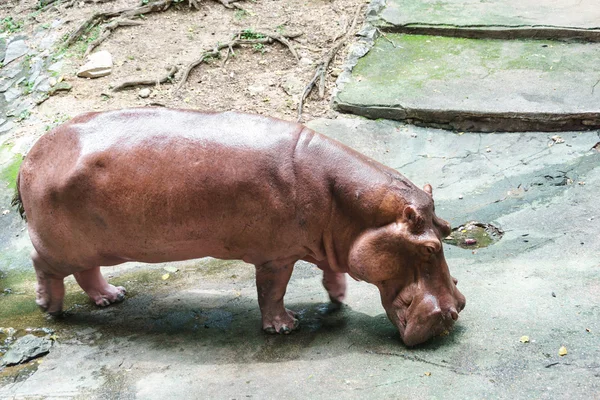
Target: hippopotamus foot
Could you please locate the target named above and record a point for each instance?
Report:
(335, 284)
(284, 322)
(271, 282)
(49, 290)
(99, 291)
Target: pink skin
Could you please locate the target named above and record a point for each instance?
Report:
(100, 292)
(158, 185)
(271, 283)
(50, 289)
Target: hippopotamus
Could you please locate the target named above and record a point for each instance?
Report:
(154, 185)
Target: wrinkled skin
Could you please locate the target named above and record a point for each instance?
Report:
(157, 185)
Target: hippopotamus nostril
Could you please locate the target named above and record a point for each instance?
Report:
(453, 313)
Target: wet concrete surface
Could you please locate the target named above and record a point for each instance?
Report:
(197, 334)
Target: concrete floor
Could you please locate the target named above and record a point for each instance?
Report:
(197, 334)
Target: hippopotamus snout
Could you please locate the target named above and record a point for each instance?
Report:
(430, 315)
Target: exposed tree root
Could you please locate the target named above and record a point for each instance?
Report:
(125, 13)
(124, 16)
(147, 82)
(239, 39)
(321, 69)
(107, 30)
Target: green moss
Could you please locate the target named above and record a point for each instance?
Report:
(401, 66)
(9, 172)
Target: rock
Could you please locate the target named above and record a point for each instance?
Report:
(14, 50)
(12, 94)
(52, 81)
(336, 72)
(26, 348)
(254, 90)
(99, 65)
(292, 85)
(6, 83)
(13, 70)
(7, 127)
(306, 61)
(144, 93)
(57, 66)
(60, 87)
(35, 69)
(2, 49)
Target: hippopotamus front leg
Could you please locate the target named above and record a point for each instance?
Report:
(335, 284)
(100, 292)
(271, 283)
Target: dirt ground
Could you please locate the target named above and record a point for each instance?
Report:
(258, 79)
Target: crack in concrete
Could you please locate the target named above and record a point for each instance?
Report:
(594, 86)
(419, 359)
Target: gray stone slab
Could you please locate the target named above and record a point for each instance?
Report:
(26, 348)
(14, 50)
(199, 331)
(579, 19)
(478, 85)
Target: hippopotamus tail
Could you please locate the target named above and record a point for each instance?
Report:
(16, 200)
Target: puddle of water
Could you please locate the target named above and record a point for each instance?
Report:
(474, 235)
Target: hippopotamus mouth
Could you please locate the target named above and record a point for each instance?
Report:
(425, 318)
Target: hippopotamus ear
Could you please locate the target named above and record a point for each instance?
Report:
(428, 189)
(375, 255)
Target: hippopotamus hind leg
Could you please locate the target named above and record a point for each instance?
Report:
(100, 292)
(50, 289)
(271, 282)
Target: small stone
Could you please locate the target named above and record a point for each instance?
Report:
(99, 64)
(52, 81)
(26, 348)
(460, 196)
(306, 61)
(562, 351)
(292, 85)
(336, 72)
(60, 86)
(254, 90)
(144, 93)
(5, 212)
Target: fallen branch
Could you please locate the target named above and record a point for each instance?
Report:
(147, 82)
(323, 65)
(239, 39)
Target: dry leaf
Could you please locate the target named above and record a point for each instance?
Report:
(524, 339)
(562, 351)
(165, 277)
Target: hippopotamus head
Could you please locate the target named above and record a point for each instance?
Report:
(405, 260)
